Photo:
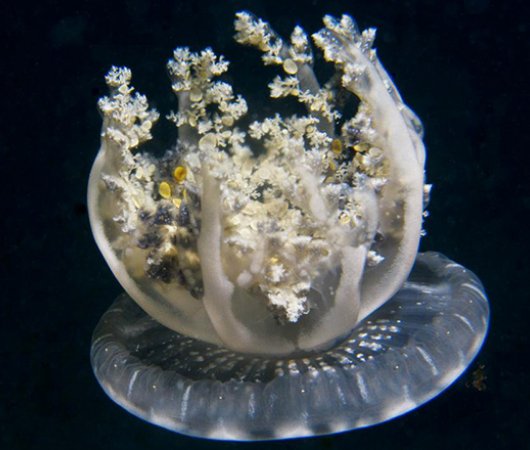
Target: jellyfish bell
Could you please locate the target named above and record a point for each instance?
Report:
(273, 285)
(396, 359)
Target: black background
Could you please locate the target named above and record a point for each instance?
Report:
(461, 65)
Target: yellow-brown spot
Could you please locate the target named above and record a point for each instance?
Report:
(344, 218)
(195, 95)
(336, 146)
(180, 174)
(361, 147)
(274, 260)
(228, 121)
(290, 66)
(164, 189)
(191, 259)
(177, 202)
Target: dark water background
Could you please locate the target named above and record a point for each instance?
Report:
(461, 65)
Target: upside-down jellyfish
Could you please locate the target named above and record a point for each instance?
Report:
(273, 283)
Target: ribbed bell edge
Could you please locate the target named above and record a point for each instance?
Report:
(399, 357)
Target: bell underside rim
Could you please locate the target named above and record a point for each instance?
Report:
(399, 357)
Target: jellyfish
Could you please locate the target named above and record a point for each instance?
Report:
(273, 285)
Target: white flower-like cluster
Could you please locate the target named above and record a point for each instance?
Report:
(284, 197)
(127, 124)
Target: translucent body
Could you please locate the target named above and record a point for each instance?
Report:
(272, 265)
(345, 285)
(401, 356)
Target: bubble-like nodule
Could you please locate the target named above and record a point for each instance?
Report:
(274, 289)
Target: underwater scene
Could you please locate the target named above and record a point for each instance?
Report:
(260, 224)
